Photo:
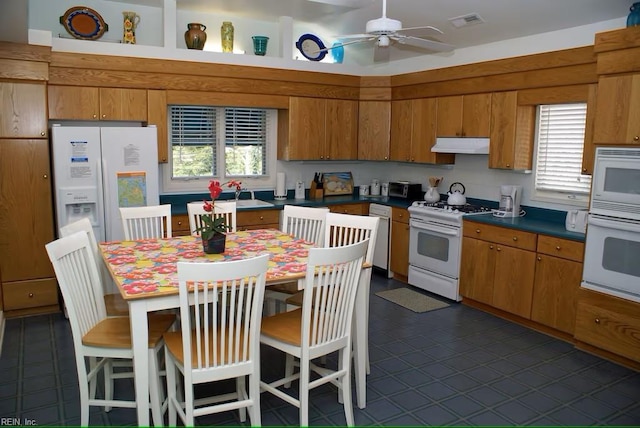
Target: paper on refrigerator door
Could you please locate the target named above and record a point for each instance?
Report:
(132, 189)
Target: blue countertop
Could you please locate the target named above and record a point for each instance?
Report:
(536, 220)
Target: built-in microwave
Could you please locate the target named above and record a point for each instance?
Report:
(616, 182)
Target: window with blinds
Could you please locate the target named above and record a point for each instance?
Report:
(560, 140)
(220, 142)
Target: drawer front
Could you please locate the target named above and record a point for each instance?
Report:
(558, 247)
(400, 214)
(257, 218)
(180, 225)
(29, 294)
(609, 323)
(501, 235)
(354, 209)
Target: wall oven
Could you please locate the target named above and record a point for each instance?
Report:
(612, 251)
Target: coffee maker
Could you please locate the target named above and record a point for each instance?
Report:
(510, 197)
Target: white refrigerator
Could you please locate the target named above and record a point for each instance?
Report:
(97, 170)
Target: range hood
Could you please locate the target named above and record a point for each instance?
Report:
(475, 146)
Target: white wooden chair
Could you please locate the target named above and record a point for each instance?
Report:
(114, 303)
(223, 301)
(304, 223)
(96, 337)
(226, 209)
(146, 222)
(323, 325)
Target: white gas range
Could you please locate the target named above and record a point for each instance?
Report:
(435, 243)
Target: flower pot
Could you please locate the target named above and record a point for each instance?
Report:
(215, 245)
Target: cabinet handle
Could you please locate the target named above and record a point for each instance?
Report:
(95, 116)
(515, 238)
(104, 116)
(45, 176)
(636, 138)
(558, 248)
(498, 249)
(322, 157)
(508, 165)
(400, 215)
(30, 295)
(386, 158)
(597, 320)
(179, 223)
(491, 247)
(413, 160)
(477, 230)
(261, 218)
(539, 258)
(43, 133)
(328, 157)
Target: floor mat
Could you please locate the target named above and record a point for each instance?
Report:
(412, 300)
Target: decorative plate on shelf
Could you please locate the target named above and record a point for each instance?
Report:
(311, 47)
(83, 23)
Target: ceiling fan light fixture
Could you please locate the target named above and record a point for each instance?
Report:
(383, 41)
(383, 26)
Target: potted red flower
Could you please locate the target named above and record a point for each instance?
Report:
(214, 227)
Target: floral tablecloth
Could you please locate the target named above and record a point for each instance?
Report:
(149, 267)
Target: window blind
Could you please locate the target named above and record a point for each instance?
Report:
(560, 144)
(245, 139)
(193, 140)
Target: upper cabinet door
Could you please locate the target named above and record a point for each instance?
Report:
(74, 102)
(618, 110)
(306, 128)
(449, 116)
(123, 104)
(23, 110)
(401, 124)
(374, 130)
(464, 116)
(512, 132)
(589, 148)
(341, 130)
(157, 115)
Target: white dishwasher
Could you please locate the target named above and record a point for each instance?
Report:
(383, 243)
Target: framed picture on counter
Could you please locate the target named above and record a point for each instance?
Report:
(337, 183)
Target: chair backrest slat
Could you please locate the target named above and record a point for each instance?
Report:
(345, 229)
(146, 222)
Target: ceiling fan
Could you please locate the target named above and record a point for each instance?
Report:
(386, 31)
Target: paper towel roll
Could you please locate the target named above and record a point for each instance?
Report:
(281, 190)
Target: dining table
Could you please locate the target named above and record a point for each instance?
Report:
(145, 272)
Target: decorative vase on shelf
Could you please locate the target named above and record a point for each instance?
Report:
(129, 24)
(633, 19)
(226, 36)
(214, 245)
(195, 37)
(260, 45)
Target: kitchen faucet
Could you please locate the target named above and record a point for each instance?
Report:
(244, 189)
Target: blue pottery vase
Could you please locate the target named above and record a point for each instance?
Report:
(634, 16)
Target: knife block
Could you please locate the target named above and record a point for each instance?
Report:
(314, 192)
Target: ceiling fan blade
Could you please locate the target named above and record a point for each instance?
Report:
(425, 27)
(368, 39)
(424, 43)
(345, 3)
(381, 54)
(353, 36)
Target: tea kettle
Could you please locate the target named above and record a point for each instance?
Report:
(456, 194)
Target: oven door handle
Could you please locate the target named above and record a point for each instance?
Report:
(612, 224)
(434, 228)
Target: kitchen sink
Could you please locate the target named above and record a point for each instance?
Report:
(252, 203)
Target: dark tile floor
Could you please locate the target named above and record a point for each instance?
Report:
(453, 366)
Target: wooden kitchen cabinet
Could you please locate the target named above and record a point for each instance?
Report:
(23, 107)
(157, 115)
(413, 132)
(589, 148)
(26, 225)
(258, 219)
(464, 115)
(374, 127)
(319, 129)
(354, 209)
(618, 110)
(512, 132)
(608, 323)
(557, 281)
(92, 103)
(399, 253)
(501, 260)
(180, 225)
